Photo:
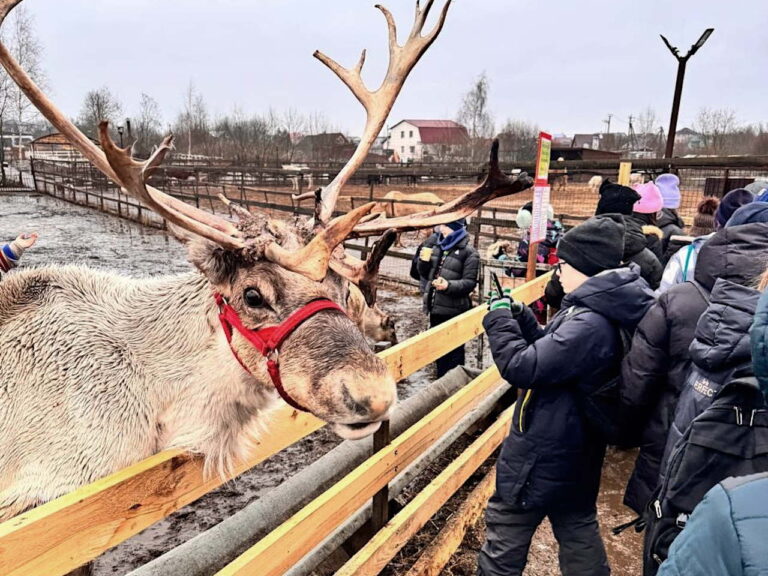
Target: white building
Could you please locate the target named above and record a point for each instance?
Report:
(426, 140)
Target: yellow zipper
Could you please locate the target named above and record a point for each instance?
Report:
(522, 408)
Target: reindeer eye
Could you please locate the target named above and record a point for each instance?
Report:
(253, 298)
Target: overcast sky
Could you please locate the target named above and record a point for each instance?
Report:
(563, 64)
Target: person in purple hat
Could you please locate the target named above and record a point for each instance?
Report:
(731, 202)
(669, 220)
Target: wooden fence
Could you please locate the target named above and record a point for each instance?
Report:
(65, 533)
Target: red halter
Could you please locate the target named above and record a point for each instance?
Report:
(268, 340)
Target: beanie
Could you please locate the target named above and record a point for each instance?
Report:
(616, 199)
(704, 220)
(650, 199)
(669, 186)
(731, 202)
(458, 224)
(594, 246)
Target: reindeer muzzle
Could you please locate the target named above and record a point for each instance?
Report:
(268, 340)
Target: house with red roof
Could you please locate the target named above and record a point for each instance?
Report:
(427, 140)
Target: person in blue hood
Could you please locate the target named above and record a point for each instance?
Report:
(726, 532)
(750, 213)
(448, 266)
(551, 461)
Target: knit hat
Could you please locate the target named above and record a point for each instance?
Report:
(457, 224)
(731, 202)
(669, 186)
(756, 187)
(749, 214)
(650, 199)
(594, 246)
(704, 220)
(616, 199)
(524, 216)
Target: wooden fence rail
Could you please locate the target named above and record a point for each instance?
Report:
(65, 533)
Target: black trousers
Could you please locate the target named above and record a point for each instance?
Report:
(509, 533)
(453, 358)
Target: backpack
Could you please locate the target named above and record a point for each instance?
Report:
(729, 438)
(601, 403)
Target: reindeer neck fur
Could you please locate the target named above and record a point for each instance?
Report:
(148, 367)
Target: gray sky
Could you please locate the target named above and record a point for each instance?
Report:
(563, 64)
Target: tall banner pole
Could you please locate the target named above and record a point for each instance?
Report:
(538, 229)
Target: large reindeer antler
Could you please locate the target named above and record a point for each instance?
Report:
(378, 103)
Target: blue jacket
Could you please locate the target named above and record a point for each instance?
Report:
(759, 337)
(552, 458)
(726, 533)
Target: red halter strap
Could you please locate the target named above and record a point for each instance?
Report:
(268, 340)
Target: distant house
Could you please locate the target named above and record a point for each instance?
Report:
(324, 147)
(426, 140)
(689, 139)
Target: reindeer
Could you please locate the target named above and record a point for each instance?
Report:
(98, 371)
(395, 204)
(372, 320)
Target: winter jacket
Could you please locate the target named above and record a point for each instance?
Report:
(670, 224)
(635, 250)
(759, 337)
(726, 532)
(552, 457)
(721, 349)
(682, 264)
(655, 370)
(653, 234)
(460, 267)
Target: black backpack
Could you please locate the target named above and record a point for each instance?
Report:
(601, 403)
(729, 438)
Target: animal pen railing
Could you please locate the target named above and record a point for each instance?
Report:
(65, 533)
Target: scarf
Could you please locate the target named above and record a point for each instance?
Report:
(448, 242)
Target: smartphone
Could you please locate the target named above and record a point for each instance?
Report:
(497, 284)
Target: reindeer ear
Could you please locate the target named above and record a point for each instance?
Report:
(216, 263)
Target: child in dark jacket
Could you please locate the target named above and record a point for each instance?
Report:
(551, 461)
(11, 253)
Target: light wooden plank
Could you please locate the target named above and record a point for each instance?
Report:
(439, 552)
(65, 533)
(375, 555)
(282, 547)
(415, 353)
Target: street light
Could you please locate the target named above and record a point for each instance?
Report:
(681, 61)
(120, 131)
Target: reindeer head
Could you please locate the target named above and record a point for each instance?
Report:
(267, 269)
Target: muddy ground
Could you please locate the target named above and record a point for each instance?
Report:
(71, 234)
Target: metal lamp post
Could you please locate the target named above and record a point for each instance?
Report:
(681, 60)
(120, 131)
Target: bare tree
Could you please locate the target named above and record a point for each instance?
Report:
(648, 131)
(27, 49)
(147, 126)
(98, 105)
(518, 140)
(193, 121)
(716, 127)
(474, 114)
(294, 123)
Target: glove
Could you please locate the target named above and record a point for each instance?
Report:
(504, 302)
